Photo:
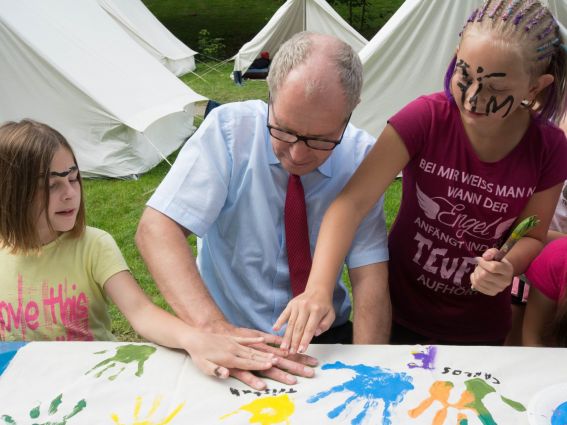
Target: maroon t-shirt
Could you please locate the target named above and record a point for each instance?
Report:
(455, 206)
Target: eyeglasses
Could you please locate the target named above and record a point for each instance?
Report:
(317, 143)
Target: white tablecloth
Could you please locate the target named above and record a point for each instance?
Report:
(142, 384)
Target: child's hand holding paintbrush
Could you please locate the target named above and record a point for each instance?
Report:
(495, 277)
(519, 231)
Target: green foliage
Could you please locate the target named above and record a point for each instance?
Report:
(116, 206)
(392, 199)
(235, 21)
(366, 16)
(211, 47)
(238, 21)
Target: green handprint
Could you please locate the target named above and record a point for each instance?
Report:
(53, 407)
(125, 354)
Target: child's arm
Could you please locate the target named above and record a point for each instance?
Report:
(178, 278)
(553, 235)
(212, 353)
(311, 313)
(492, 277)
(538, 318)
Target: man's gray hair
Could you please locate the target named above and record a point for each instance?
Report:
(295, 51)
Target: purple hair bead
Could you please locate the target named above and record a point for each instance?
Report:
(510, 10)
(523, 12)
(547, 31)
(535, 20)
(495, 9)
(473, 16)
(482, 12)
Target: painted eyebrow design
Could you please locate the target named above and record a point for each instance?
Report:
(64, 173)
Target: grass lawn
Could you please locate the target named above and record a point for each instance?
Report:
(116, 205)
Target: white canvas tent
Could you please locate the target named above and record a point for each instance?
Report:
(68, 64)
(409, 56)
(135, 18)
(559, 10)
(292, 17)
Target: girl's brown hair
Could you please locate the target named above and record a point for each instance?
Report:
(26, 151)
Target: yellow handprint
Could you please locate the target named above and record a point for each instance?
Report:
(151, 412)
(268, 410)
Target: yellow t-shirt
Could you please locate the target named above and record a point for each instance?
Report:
(58, 294)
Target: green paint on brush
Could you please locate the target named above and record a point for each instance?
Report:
(519, 232)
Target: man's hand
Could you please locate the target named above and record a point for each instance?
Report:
(287, 366)
(491, 277)
(307, 315)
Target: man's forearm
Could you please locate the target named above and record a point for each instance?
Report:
(164, 248)
(372, 310)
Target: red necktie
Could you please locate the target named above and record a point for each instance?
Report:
(297, 235)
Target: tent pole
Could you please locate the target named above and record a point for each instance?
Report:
(157, 150)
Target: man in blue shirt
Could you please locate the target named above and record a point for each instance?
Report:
(228, 186)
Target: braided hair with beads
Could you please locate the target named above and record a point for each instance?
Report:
(529, 26)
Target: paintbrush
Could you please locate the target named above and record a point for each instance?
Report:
(519, 231)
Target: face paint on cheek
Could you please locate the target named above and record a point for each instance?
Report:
(463, 66)
(474, 98)
(493, 106)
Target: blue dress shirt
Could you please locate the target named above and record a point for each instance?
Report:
(228, 188)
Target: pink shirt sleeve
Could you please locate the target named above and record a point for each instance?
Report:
(548, 272)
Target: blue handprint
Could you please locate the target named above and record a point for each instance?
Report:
(370, 384)
(560, 415)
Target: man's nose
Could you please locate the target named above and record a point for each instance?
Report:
(299, 150)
